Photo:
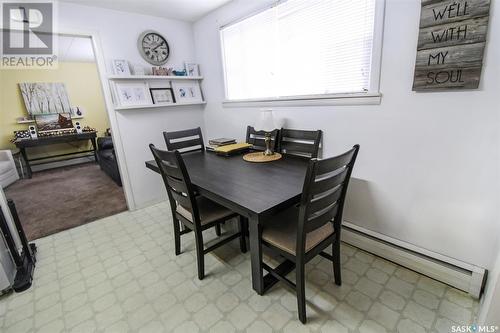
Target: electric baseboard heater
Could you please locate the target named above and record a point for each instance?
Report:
(456, 273)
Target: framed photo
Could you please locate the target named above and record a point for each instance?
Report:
(192, 69)
(120, 67)
(138, 70)
(187, 91)
(136, 93)
(162, 95)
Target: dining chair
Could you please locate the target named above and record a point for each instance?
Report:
(299, 142)
(300, 233)
(185, 141)
(195, 212)
(257, 138)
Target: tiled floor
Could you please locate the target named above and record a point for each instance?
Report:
(120, 274)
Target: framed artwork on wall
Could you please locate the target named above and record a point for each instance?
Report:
(187, 91)
(136, 93)
(162, 95)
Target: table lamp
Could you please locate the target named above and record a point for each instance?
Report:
(266, 123)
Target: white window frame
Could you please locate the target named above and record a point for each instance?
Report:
(371, 97)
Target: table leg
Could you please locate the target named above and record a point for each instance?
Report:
(28, 166)
(94, 147)
(255, 229)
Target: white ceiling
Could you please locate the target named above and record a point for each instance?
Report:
(184, 10)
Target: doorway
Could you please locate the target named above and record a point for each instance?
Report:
(73, 181)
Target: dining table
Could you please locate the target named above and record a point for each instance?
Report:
(256, 191)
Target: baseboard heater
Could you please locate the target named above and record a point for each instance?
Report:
(458, 274)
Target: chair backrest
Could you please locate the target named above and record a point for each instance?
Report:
(256, 138)
(184, 141)
(324, 193)
(177, 182)
(300, 142)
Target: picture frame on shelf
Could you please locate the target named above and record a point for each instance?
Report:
(187, 92)
(192, 69)
(138, 70)
(133, 93)
(121, 67)
(162, 95)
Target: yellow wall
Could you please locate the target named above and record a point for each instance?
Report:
(83, 87)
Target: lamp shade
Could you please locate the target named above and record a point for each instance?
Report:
(266, 121)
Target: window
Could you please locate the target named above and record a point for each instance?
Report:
(301, 48)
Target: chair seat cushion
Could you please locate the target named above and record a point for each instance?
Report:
(209, 211)
(281, 232)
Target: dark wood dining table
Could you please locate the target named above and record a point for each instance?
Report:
(256, 191)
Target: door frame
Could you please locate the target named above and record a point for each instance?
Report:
(112, 116)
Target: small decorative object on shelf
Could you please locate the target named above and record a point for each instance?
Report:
(162, 71)
(180, 73)
(192, 69)
(76, 111)
(120, 67)
(162, 95)
(138, 70)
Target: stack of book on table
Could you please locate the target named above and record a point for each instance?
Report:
(226, 147)
(215, 143)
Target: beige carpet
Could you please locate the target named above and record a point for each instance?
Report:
(63, 198)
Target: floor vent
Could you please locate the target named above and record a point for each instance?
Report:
(458, 274)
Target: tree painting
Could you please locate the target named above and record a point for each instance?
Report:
(40, 98)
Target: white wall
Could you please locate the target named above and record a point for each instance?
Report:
(118, 32)
(428, 169)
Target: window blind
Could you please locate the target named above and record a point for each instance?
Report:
(300, 47)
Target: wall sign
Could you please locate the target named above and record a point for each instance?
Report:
(451, 44)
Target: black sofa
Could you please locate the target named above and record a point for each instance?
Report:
(107, 158)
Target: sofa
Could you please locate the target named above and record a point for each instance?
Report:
(8, 170)
(107, 158)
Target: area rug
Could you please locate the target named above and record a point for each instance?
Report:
(63, 198)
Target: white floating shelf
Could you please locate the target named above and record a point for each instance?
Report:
(29, 121)
(151, 106)
(153, 77)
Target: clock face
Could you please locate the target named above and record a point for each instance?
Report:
(153, 47)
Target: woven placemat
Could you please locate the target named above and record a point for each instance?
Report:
(259, 157)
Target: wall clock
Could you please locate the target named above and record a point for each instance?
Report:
(153, 47)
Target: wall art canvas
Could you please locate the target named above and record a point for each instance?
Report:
(451, 42)
(45, 97)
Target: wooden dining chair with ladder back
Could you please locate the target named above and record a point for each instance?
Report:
(195, 212)
(257, 139)
(186, 141)
(300, 142)
(300, 233)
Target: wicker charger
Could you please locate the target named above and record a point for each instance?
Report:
(259, 157)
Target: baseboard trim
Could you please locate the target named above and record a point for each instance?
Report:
(458, 274)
